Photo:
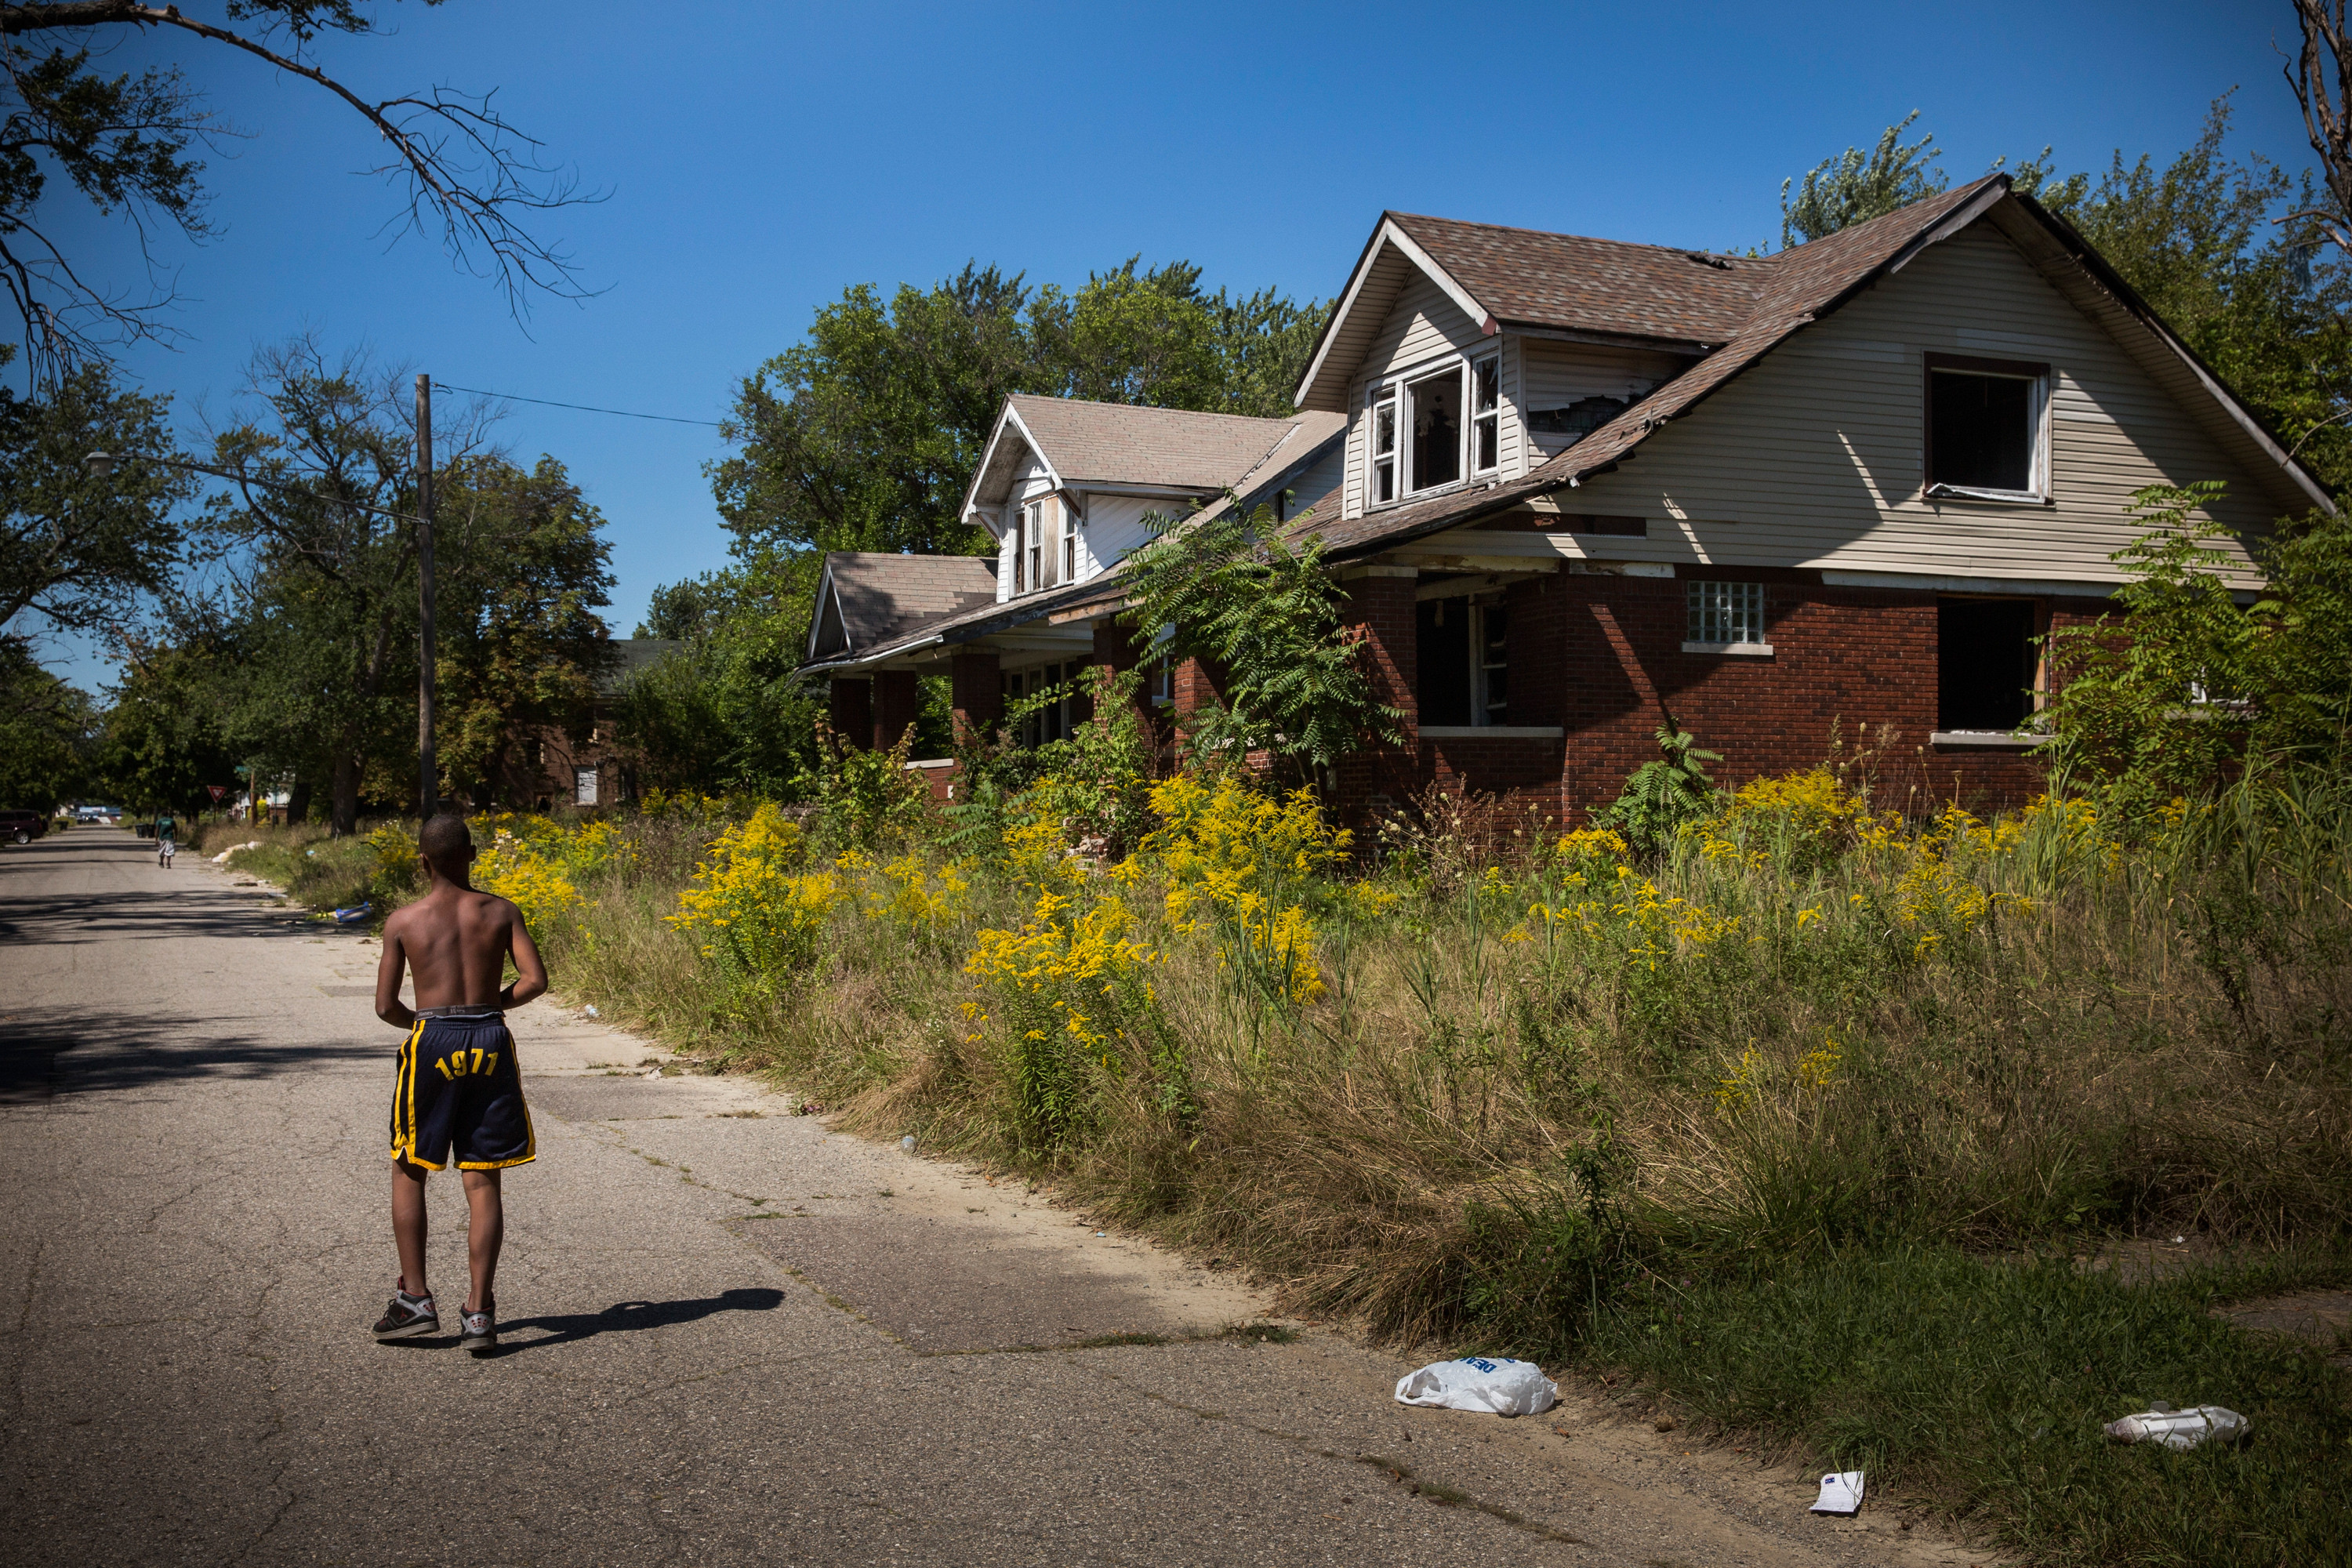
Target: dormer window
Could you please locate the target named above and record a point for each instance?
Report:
(1434, 411)
(1033, 543)
(1069, 544)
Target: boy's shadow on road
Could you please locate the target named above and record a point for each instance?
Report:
(623, 1317)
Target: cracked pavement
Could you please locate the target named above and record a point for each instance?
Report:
(730, 1335)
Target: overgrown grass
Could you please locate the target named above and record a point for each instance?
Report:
(1979, 1386)
(1759, 1120)
(314, 868)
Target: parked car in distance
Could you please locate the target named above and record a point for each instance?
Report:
(98, 814)
(22, 827)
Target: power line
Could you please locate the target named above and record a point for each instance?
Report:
(584, 407)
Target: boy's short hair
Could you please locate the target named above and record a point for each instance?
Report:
(444, 836)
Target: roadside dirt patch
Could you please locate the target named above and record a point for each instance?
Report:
(2319, 1318)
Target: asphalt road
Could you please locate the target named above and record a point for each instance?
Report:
(730, 1335)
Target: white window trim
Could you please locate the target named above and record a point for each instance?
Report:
(1388, 395)
(1472, 418)
(1390, 387)
(1068, 544)
(2040, 495)
(1734, 650)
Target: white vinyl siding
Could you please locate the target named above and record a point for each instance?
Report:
(1557, 375)
(1813, 456)
(1423, 327)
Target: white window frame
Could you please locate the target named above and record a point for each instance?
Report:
(1068, 545)
(583, 783)
(1481, 708)
(2039, 377)
(1384, 399)
(1414, 490)
(1475, 419)
(1033, 547)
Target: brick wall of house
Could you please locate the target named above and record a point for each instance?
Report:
(1382, 608)
(975, 693)
(1601, 657)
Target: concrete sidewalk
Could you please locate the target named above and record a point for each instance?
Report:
(729, 1336)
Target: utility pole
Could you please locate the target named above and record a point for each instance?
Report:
(428, 776)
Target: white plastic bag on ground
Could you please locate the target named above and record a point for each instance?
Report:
(1495, 1384)
(2181, 1428)
(1841, 1493)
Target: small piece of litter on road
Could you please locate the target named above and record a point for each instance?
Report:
(1841, 1493)
(2180, 1241)
(655, 1072)
(590, 1011)
(1098, 1233)
(1496, 1384)
(2181, 1428)
(908, 1143)
(354, 915)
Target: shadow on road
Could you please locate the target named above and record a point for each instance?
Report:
(627, 1317)
(51, 1051)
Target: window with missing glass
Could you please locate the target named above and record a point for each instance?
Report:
(1485, 413)
(1434, 416)
(1987, 435)
(1462, 674)
(1723, 614)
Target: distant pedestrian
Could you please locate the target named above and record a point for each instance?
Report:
(166, 841)
(458, 1091)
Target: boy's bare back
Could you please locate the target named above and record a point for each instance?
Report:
(456, 939)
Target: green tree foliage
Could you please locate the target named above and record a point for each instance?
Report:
(48, 733)
(1253, 599)
(165, 743)
(1855, 186)
(2259, 300)
(133, 144)
(864, 435)
(520, 646)
(2185, 687)
(302, 652)
(77, 550)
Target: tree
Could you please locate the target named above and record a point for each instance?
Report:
(1253, 599)
(2327, 52)
(520, 647)
(1853, 187)
(133, 143)
(48, 733)
(74, 550)
(165, 743)
(864, 435)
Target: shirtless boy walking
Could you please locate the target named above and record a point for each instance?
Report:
(459, 1091)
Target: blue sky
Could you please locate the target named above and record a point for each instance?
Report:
(761, 157)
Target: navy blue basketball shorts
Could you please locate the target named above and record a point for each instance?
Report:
(459, 1093)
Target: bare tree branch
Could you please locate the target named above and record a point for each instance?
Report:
(2326, 53)
(469, 172)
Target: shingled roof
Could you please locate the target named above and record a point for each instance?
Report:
(1525, 278)
(1787, 292)
(1121, 443)
(870, 598)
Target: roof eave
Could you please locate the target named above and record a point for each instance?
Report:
(1387, 231)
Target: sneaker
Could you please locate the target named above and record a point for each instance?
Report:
(479, 1329)
(407, 1316)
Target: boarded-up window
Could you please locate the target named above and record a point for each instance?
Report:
(583, 786)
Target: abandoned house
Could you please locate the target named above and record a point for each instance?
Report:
(1572, 485)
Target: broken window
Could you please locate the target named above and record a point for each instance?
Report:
(1986, 662)
(1579, 419)
(1724, 613)
(1462, 674)
(1433, 411)
(1485, 413)
(1384, 446)
(1070, 543)
(1984, 427)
